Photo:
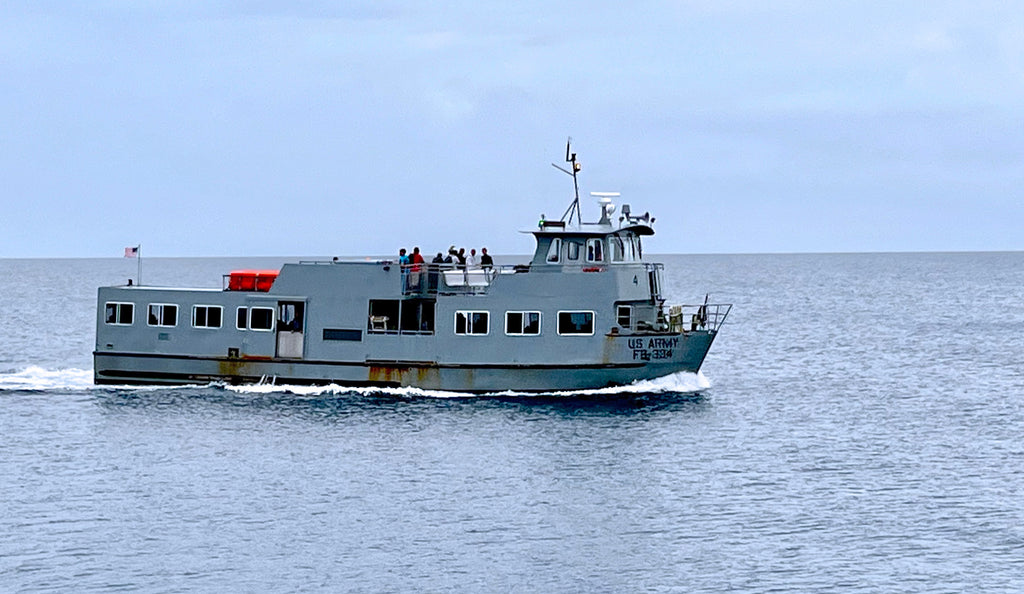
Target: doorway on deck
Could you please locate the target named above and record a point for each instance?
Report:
(290, 326)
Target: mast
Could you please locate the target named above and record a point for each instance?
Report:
(570, 157)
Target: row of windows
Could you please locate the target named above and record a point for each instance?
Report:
(626, 249)
(524, 323)
(467, 323)
(165, 315)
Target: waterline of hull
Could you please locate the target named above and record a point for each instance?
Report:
(143, 369)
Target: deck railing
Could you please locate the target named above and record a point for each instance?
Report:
(431, 279)
(710, 316)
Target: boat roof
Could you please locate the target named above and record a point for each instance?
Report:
(559, 229)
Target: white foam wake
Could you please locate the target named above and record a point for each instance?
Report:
(332, 389)
(676, 383)
(669, 384)
(37, 378)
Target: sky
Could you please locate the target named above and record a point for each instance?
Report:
(300, 127)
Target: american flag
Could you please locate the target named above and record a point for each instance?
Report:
(131, 252)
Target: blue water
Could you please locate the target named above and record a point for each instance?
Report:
(856, 428)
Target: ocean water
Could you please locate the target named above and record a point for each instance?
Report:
(857, 427)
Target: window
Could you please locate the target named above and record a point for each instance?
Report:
(624, 315)
(595, 250)
(206, 316)
(383, 315)
(120, 313)
(417, 316)
(519, 323)
(471, 322)
(242, 318)
(163, 314)
(554, 251)
(576, 322)
(618, 249)
(261, 318)
(572, 249)
(409, 316)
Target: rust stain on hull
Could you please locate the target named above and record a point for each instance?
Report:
(234, 370)
(419, 376)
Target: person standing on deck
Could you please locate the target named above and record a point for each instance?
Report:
(403, 266)
(415, 267)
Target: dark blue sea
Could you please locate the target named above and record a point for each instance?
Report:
(857, 427)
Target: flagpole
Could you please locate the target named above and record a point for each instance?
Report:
(138, 274)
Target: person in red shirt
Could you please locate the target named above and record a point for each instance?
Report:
(415, 266)
(416, 259)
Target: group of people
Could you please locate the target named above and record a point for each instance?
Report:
(458, 258)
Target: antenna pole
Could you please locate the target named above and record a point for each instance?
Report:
(570, 157)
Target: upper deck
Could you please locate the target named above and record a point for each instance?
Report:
(562, 243)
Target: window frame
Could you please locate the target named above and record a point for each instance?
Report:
(390, 310)
(595, 254)
(522, 331)
(573, 246)
(272, 314)
(242, 315)
(160, 318)
(593, 322)
(195, 309)
(117, 313)
(554, 255)
(467, 313)
(618, 248)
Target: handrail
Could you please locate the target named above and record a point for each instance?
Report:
(711, 316)
(430, 279)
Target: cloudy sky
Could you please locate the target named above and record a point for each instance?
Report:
(350, 128)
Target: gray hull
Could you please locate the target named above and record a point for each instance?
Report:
(129, 368)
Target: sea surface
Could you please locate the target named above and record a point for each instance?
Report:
(857, 427)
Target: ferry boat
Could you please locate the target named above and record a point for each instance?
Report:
(587, 311)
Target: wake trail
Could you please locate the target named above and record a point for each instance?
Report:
(35, 378)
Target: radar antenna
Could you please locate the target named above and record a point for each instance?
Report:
(570, 157)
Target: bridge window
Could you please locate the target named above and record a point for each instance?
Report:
(576, 323)
(618, 249)
(572, 249)
(595, 250)
(555, 250)
(122, 314)
(206, 316)
(163, 314)
(522, 323)
(471, 322)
